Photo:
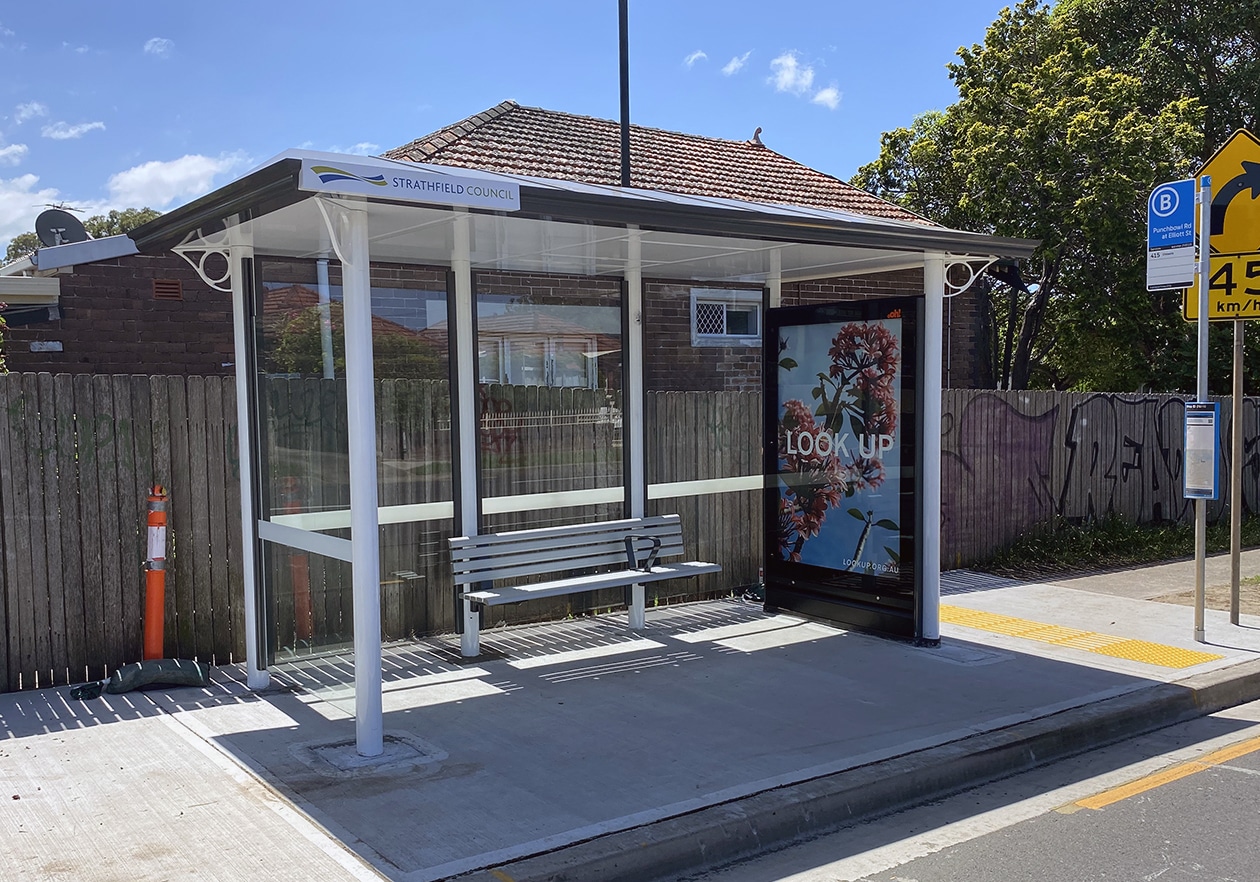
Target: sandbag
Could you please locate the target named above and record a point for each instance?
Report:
(153, 672)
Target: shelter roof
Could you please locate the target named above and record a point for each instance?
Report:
(514, 139)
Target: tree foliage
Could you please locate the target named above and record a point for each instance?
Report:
(1049, 141)
(1203, 49)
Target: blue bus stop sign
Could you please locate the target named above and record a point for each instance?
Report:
(1170, 236)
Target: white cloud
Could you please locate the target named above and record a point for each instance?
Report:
(363, 148)
(828, 97)
(20, 201)
(159, 46)
(159, 184)
(5, 32)
(81, 50)
(63, 131)
(790, 75)
(733, 66)
(29, 111)
(13, 154)
(698, 55)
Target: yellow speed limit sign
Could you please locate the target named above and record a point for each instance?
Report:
(1233, 289)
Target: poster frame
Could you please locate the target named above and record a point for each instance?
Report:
(881, 604)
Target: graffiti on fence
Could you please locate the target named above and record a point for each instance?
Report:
(1009, 464)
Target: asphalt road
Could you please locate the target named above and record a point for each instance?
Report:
(1178, 805)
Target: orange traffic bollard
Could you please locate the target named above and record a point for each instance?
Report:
(155, 575)
(299, 564)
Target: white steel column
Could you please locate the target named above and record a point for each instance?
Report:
(255, 677)
(775, 282)
(356, 286)
(632, 427)
(465, 356)
(933, 331)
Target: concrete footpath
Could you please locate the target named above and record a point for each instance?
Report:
(579, 750)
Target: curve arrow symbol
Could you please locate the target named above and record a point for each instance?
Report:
(1249, 179)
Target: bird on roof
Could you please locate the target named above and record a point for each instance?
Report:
(756, 138)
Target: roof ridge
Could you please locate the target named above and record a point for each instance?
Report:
(457, 130)
(635, 125)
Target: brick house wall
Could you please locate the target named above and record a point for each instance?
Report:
(111, 323)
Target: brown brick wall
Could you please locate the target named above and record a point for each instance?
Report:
(111, 324)
(672, 363)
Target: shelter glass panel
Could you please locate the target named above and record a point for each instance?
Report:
(702, 426)
(310, 618)
(305, 477)
(549, 351)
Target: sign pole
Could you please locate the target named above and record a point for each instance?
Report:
(1235, 475)
(1200, 505)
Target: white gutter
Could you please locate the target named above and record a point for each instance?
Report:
(19, 267)
(30, 290)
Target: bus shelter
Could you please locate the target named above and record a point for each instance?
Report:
(424, 352)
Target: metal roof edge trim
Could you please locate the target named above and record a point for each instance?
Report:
(87, 251)
(273, 185)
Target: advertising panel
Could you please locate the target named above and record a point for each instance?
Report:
(841, 433)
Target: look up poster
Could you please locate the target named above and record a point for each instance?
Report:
(841, 433)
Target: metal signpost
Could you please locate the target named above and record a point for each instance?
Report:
(1228, 289)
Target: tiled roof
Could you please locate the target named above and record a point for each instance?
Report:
(542, 143)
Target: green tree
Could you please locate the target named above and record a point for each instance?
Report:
(21, 245)
(1048, 142)
(117, 222)
(1203, 49)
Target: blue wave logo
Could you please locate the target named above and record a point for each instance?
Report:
(327, 174)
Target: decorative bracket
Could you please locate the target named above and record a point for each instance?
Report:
(204, 248)
(336, 222)
(973, 272)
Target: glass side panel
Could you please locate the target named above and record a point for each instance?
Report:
(552, 424)
(702, 423)
(304, 434)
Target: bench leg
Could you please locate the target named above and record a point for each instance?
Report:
(638, 611)
(470, 640)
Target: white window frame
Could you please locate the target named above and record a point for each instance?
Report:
(727, 297)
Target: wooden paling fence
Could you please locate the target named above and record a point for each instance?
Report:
(78, 454)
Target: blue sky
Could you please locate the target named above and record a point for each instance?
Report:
(106, 105)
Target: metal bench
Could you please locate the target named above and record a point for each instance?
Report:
(622, 552)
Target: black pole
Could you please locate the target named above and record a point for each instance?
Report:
(625, 93)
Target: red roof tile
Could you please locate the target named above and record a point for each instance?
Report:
(542, 143)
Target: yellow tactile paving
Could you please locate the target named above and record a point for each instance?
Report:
(1089, 641)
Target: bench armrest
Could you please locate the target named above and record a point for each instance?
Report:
(632, 556)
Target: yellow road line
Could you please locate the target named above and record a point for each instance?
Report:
(1166, 776)
(1072, 638)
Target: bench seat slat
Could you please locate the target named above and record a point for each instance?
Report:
(551, 561)
(515, 594)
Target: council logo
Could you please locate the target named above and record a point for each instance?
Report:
(327, 174)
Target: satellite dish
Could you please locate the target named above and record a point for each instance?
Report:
(57, 227)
